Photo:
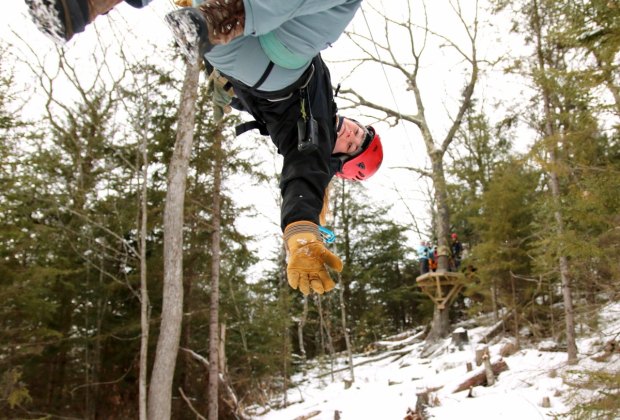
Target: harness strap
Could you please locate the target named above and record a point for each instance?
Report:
(266, 74)
(251, 125)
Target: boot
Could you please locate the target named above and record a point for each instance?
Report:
(61, 19)
(197, 30)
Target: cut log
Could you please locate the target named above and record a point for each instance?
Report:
(480, 377)
(309, 415)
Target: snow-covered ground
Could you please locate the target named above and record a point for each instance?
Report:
(387, 381)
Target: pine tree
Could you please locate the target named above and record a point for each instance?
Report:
(505, 232)
(378, 278)
(569, 116)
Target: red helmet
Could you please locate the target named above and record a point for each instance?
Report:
(454, 236)
(365, 164)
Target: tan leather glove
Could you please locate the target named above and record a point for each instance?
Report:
(308, 257)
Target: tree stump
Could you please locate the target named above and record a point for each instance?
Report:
(488, 370)
(480, 352)
(420, 405)
(460, 338)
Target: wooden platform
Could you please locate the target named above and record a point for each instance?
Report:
(441, 287)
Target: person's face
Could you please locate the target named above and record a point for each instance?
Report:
(350, 137)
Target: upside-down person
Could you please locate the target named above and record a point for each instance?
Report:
(269, 50)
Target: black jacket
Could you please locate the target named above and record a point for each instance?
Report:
(305, 176)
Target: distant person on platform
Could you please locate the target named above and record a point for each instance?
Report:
(457, 251)
(423, 252)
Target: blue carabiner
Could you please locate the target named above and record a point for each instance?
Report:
(327, 235)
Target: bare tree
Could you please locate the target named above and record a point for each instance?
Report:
(300, 328)
(145, 308)
(383, 53)
(345, 328)
(214, 327)
(160, 392)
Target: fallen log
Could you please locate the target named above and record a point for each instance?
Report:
(309, 415)
(480, 377)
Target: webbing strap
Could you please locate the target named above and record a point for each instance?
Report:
(251, 125)
(264, 76)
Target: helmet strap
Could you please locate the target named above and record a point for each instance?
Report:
(340, 122)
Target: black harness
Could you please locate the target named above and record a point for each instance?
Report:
(305, 131)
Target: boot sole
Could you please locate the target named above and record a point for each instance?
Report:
(58, 19)
(189, 31)
(47, 19)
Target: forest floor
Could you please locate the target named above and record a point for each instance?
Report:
(398, 373)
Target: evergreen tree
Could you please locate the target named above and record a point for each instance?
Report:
(479, 149)
(379, 272)
(506, 234)
(567, 115)
(25, 307)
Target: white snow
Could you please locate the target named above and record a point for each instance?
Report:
(386, 387)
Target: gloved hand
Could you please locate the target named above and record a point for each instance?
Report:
(308, 257)
(220, 96)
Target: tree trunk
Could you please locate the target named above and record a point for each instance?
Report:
(144, 296)
(283, 294)
(514, 308)
(96, 359)
(569, 312)
(300, 328)
(160, 392)
(230, 402)
(494, 302)
(214, 326)
(345, 330)
(440, 325)
(554, 185)
(328, 333)
(442, 222)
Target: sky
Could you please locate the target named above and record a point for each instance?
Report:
(387, 381)
(143, 33)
